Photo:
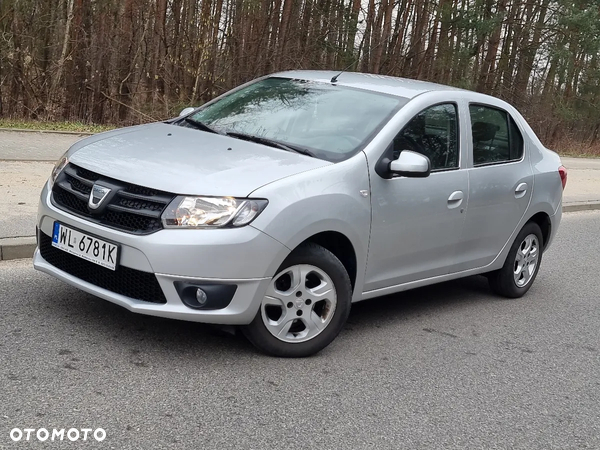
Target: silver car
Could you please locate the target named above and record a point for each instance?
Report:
(280, 203)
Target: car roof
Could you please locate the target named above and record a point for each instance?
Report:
(401, 87)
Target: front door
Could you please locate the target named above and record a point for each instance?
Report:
(417, 222)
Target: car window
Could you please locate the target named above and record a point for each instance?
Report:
(434, 133)
(334, 122)
(496, 137)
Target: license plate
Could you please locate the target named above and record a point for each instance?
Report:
(85, 246)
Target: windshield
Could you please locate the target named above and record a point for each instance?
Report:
(332, 122)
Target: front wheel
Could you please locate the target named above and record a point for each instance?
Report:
(305, 307)
(522, 264)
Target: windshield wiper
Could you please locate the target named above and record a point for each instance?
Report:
(201, 126)
(271, 143)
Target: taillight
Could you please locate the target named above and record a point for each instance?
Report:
(562, 171)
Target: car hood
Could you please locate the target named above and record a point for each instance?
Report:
(187, 161)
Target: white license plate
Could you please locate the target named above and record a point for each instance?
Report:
(85, 246)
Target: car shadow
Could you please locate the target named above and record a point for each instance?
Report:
(103, 321)
(415, 302)
(149, 333)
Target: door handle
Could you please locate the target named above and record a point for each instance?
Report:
(521, 190)
(455, 199)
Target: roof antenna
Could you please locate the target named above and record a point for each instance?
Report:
(335, 77)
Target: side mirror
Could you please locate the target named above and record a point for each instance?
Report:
(186, 111)
(411, 164)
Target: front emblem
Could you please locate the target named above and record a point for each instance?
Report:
(97, 196)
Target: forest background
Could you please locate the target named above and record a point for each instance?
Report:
(123, 62)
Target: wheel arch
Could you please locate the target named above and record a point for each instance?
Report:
(338, 244)
(543, 221)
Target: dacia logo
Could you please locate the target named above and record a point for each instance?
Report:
(97, 196)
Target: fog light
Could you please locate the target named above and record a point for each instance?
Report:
(201, 297)
(205, 296)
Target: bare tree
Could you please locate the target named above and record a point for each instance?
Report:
(127, 61)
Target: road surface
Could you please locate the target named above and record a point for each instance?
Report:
(444, 367)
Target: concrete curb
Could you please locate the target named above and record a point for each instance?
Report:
(25, 130)
(581, 206)
(17, 248)
(24, 247)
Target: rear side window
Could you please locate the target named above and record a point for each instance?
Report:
(496, 137)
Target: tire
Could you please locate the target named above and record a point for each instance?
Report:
(517, 275)
(305, 307)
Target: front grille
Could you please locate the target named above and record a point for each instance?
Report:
(125, 281)
(133, 209)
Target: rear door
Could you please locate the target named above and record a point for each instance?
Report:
(500, 185)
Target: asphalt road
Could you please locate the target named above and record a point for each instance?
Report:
(441, 367)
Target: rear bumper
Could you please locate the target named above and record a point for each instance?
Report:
(244, 257)
(554, 224)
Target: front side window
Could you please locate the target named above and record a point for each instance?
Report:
(333, 122)
(434, 133)
(496, 137)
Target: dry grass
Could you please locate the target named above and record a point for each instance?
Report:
(568, 146)
(55, 126)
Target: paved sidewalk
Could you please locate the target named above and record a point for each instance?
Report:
(35, 146)
(583, 183)
(26, 160)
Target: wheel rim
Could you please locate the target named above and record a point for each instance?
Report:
(526, 260)
(299, 304)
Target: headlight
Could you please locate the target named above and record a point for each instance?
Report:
(58, 168)
(209, 212)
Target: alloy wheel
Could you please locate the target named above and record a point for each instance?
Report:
(299, 304)
(526, 260)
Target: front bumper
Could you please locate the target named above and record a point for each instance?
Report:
(244, 257)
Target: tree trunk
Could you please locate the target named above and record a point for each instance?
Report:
(53, 100)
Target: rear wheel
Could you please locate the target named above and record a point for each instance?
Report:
(305, 307)
(522, 264)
